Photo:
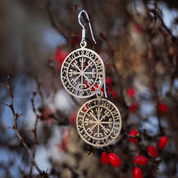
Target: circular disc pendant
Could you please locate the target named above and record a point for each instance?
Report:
(82, 73)
(99, 122)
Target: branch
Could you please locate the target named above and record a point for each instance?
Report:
(34, 130)
(40, 93)
(16, 116)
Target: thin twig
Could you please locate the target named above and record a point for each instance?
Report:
(34, 131)
(39, 92)
(16, 116)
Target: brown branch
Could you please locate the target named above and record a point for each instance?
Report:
(16, 116)
(34, 131)
(39, 92)
(156, 14)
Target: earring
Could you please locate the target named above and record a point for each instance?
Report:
(98, 120)
(82, 72)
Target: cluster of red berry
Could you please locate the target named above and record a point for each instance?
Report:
(109, 84)
(134, 105)
(139, 160)
(162, 106)
(111, 158)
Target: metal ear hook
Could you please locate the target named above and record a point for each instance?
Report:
(105, 92)
(105, 88)
(84, 30)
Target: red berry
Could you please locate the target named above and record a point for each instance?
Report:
(96, 86)
(133, 107)
(86, 83)
(140, 160)
(104, 158)
(114, 94)
(137, 173)
(59, 56)
(131, 92)
(108, 81)
(162, 142)
(152, 150)
(163, 108)
(133, 133)
(102, 89)
(114, 160)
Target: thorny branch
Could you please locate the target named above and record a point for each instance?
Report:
(16, 116)
(34, 130)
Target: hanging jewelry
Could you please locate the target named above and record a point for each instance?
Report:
(82, 72)
(99, 122)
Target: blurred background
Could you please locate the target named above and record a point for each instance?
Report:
(137, 41)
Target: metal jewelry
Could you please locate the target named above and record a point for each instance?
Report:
(99, 122)
(82, 72)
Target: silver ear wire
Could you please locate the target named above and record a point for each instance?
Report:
(84, 30)
(105, 89)
(105, 93)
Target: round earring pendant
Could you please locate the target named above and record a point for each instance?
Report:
(82, 73)
(99, 122)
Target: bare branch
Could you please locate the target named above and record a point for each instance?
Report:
(15, 123)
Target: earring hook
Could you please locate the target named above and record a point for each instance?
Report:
(84, 30)
(105, 92)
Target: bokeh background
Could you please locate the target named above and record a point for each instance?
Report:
(137, 40)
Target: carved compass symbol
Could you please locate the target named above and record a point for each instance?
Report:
(99, 122)
(82, 73)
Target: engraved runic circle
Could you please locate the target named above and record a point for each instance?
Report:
(99, 122)
(82, 73)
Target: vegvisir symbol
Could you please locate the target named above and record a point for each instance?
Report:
(100, 124)
(81, 72)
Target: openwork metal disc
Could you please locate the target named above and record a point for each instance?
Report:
(99, 122)
(82, 73)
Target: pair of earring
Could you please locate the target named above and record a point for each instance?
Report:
(98, 120)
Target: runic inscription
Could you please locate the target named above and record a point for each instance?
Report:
(99, 122)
